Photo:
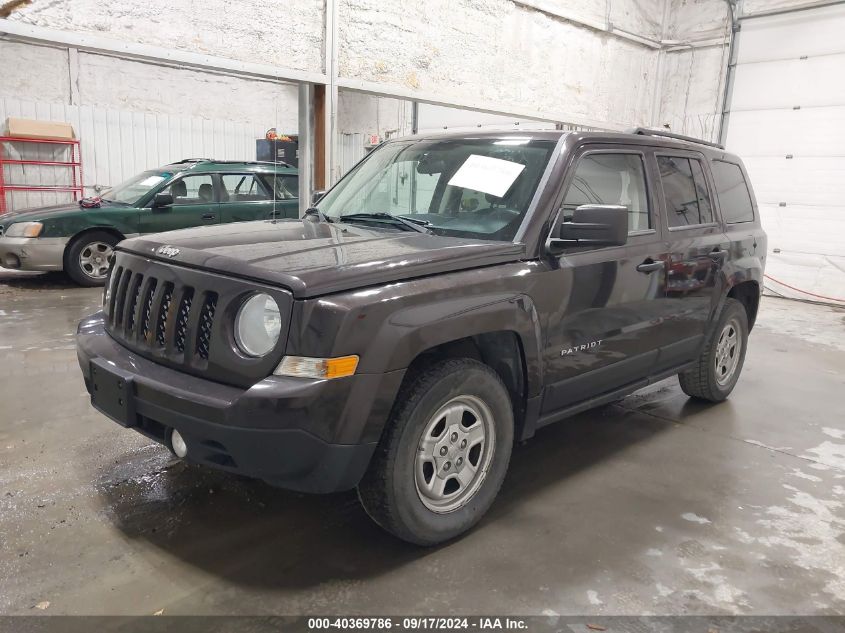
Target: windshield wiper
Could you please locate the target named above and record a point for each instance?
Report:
(414, 220)
(414, 225)
(318, 213)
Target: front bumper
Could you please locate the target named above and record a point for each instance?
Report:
(32, 253)
(282, 430)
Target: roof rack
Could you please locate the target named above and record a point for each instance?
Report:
(233, 162)
(644, 131)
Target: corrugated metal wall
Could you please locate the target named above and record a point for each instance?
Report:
(117, 144)
(351, 151)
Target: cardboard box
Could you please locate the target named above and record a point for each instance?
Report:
(48, 130)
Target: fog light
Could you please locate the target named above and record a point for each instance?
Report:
(11, 261)
(177, 443)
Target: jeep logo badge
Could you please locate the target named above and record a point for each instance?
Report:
(168, 251)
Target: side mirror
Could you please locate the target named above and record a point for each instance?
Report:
(315, 196)
(162, 200)
(593, 225)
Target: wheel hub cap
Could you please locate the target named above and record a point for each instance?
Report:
(454, 454)
(94, 259)
(728, 350)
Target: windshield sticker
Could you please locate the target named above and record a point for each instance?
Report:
(152, 180)
(487, 175)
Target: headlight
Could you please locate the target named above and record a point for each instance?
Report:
(24, 229)
(258, 325)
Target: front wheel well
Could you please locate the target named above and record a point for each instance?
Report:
(501, 351)
(97, 229)
(748, 294)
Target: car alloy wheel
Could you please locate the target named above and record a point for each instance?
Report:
(94, 259)
(454, 454)
(728, 350)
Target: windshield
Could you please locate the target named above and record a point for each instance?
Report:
(477, 188)
(132, 190)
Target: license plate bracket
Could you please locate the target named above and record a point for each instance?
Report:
(113, 392)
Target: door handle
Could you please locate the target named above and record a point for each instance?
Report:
(208, 216)
(718, 255)
(649, 266)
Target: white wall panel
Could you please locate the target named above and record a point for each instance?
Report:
(117, 144)
(789, 100)
(811, 82)
(803, 132)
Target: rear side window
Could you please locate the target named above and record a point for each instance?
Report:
(687, 200)
(734, 197)
(617, 179)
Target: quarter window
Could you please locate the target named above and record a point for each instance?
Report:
(685, 189)
(734, 199)
(617, 179)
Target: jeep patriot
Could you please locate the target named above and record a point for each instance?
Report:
(449, 296)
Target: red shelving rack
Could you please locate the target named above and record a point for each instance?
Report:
(75, 165)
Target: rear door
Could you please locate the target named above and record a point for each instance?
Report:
(698, 249)
(250, 196)
(194, 204)
(607, 328)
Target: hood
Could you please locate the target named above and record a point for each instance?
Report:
(39, 214)
(312, 258)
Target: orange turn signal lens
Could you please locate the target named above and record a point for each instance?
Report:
(303, 367)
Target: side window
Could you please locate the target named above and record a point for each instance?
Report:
(243, 188)
(685, 190)
(287, 186)
(611, 179)
(734, 198)
(196, 189)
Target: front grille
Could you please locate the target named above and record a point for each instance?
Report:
(142, 306)
(183, 318)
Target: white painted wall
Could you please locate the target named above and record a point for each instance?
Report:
(287, 34)
(131, 116)
(502, 52)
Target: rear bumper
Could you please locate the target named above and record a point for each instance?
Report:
(281, 430)
(32, 253)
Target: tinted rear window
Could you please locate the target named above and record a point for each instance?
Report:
(734, 198)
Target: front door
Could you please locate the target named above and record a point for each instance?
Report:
(251, 196)
(606, 330)
(194, 204)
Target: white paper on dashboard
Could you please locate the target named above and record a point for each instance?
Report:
(150, 181)
(487, 175)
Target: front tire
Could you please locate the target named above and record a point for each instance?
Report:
(444, 454)
(87, 257)
(718, 367)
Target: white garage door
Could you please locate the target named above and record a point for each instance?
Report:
(787, 121)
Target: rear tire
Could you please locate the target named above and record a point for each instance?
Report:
(718, 367)
(86, 258)
(444, 454)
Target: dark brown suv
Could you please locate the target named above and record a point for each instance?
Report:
(450, 295)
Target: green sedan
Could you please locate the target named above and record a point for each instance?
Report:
(79, 238)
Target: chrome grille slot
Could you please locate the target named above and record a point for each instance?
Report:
(148, 307)
(163, 314)
(132, 297)
(209, 305)
(119, 300)
(182, 319)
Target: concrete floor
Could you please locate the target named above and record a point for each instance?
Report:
(655, 505)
